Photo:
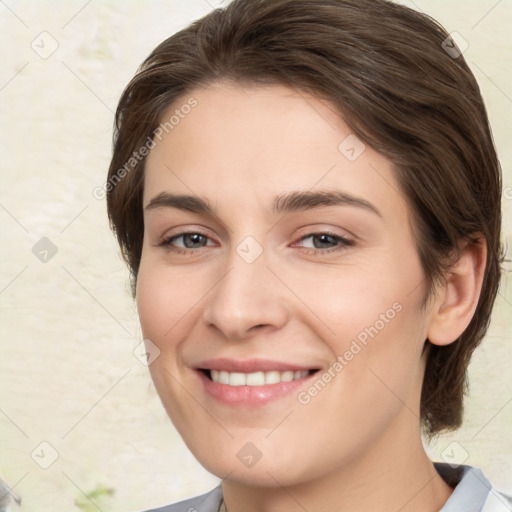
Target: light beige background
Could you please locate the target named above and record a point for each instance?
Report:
(68, 373)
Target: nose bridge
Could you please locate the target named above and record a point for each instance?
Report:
(247, 295)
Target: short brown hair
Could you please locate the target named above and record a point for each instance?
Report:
(385, 69)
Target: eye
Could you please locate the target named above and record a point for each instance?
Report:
(320, 241)
(184, 241)
(324, 242)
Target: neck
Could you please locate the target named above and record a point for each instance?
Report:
(395, 474)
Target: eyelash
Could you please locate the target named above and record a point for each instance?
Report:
(167, 242)
(342, 244)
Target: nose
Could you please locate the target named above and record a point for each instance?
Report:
(248, 300)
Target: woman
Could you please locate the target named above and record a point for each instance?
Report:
(308, 197)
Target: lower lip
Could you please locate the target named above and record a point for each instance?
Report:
(250, 396)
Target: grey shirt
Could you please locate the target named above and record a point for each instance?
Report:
(472, 493)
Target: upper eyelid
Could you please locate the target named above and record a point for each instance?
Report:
(160, 214)
(344, 239)
(200, 231)
(167, 239)
(181, 235)
(307, 232)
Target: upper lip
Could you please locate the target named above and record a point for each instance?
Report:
(249, 365)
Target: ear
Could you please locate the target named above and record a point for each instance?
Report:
(457, 299)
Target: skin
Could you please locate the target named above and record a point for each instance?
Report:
(356, 445)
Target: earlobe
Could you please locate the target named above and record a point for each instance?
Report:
(457, 298)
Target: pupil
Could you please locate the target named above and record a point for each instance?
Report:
(324, 241)
(193, 240)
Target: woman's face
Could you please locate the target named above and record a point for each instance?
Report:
(278, 247)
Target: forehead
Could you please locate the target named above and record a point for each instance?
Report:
(240, 144)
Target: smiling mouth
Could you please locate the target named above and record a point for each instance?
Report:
(255, 378)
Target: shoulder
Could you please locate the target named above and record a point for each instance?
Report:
(497, 502)
(209, 502)
(472, 490)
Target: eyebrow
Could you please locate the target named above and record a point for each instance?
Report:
(284, 203)
(302, 201)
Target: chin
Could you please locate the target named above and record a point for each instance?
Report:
(259, 475)
(271, 470)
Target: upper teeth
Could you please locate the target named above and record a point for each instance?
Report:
(255, 379)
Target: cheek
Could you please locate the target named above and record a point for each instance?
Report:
(152, 304)
(371, 317)
(166, 299)
(164, 308)
(356, 300)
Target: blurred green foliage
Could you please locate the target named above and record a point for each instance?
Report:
(94, 500)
